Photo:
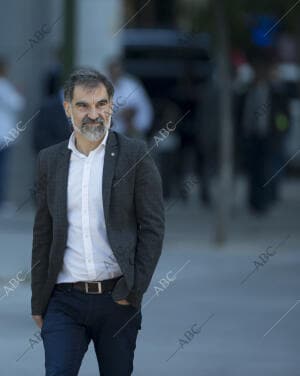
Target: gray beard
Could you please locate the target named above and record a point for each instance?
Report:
(92, 132)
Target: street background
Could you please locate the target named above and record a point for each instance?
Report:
(213, 87)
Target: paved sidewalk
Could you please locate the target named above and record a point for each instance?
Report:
(215, 317)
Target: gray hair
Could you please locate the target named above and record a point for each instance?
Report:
(89, 78)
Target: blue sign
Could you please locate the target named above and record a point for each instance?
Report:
(264, 31)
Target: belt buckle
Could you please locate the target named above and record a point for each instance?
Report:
(86, 285)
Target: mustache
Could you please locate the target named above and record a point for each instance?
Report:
(99, 121)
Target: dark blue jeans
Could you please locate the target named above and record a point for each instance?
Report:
(74, 318)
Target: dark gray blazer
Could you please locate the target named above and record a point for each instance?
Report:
(133, 211)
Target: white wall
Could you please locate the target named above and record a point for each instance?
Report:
(95, 25)
(20, 22)
(97, 22)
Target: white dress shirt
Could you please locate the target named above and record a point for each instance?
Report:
(88, 255)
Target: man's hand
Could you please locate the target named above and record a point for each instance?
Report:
(38, 320)
(123, 302)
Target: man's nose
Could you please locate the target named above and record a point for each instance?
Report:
(93, 114)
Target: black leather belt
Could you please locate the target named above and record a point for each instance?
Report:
(92, 287)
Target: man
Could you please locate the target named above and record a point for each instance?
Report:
(97, 235)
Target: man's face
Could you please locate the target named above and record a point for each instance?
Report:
(90, 111)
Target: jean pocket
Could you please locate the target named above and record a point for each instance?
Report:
(132, 315)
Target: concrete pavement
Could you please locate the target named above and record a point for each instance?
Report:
(224, 310)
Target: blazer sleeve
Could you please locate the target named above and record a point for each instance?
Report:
(42, 236)
(150, 216)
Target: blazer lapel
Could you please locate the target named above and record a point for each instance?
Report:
(62, 184)
(110, 158)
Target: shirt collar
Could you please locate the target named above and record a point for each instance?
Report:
(72, 147)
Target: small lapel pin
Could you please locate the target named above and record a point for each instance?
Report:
(112, 154)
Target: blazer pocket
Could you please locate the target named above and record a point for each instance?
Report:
(125, 178)
(117, 180)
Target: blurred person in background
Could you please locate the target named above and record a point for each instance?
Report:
(198, 131)
(94, 250)
(264, 126)
(166, 144)
(54, 73)
(11, 104)
(133, 112)
(51, 125)
(207, 135)
(184, 95)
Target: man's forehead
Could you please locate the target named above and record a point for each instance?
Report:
(90, 94)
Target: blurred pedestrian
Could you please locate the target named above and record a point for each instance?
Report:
(265, 124)
(184, 95)
(11, 103)
(167, 143)
(207, 135)
(51, 125)
(54, 74)
(133, 112)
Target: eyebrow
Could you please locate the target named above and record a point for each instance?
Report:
(84, 102)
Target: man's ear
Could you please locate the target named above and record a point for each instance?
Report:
(67, 107)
